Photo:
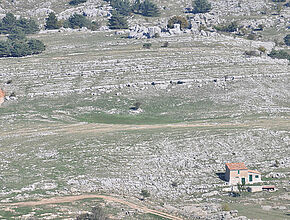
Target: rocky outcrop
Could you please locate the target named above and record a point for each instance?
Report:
(140, 32)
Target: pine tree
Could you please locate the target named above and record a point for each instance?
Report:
(117, 21)
(52, 22)
(201, 6)
(149, 9)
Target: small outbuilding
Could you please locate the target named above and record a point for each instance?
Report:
(239, 173)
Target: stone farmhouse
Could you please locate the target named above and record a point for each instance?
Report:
(239, 173)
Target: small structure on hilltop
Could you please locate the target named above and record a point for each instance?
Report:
(2, 96)
(239, 173)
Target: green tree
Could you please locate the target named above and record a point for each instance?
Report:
(117, 21)
(145, 193)
(124, 7)
(178, 20)
(9, 24)
(287, 39)
(4, 49)
(201, 6)
(36, 46)
(78, 21)
(149, 9)
(28, 26)
(136, 7)
(52, 22)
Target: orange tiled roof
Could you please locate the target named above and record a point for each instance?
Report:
(254, 171)
(236, 166)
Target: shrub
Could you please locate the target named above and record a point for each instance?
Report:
(279, 54)
(278, 0)
(251, 37)
(262, 49)
(232, 27)
(178, 20)
(147, 45)
(144, 193)
(97, 213)
(52, 22)
(252, 53)
(77, 2)
(94, 25)
(201, 6)
(226, 207)
(287, 39)
(165, 44)
(117, 21)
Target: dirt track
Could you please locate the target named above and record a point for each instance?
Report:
(56, 200)
(86, 128)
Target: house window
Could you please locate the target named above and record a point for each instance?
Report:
(257, 176)
(250, 178)
(238, 171)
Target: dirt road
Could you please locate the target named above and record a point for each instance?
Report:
(56, 200)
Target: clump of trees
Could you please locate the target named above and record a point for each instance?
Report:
(201, 6)
(75, 21)
(10, 25)
(17, 45)
(178, 20)
(123, 8)
(77, 2)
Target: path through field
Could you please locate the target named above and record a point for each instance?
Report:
(66, 199)
(103, 128)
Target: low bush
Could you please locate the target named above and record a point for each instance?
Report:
(97, 213)
(77, 2)
(231, 27)
(147, 45)
(201, 6)
(279, 54)
(287, 39)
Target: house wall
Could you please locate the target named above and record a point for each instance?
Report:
(255, 179)
(236, 177)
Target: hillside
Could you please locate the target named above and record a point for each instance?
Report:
(98, 114)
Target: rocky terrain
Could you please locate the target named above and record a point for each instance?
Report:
(69, 127)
